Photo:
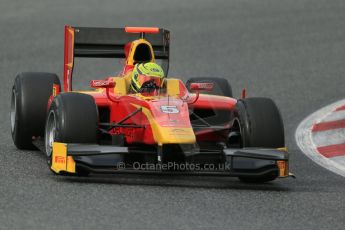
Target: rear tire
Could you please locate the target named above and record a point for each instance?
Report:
(30, 95)
(259, 123)
(72, 118)
(221, 85)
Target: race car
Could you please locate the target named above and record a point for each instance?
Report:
(194, 128)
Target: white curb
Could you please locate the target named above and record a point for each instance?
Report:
(306, 141)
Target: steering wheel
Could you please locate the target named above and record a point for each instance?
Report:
(148, 87)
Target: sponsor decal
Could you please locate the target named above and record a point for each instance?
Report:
(182, 133)
(60, 160)
(169, 109)
(155, 70)
(178, 130)
(99, 83)
(102, 84)
(205, 85)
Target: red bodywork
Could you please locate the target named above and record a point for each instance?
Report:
(119, 107)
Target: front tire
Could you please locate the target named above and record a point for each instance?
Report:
(259, 123)
(72, 118)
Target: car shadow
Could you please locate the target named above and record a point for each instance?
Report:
(206, 182)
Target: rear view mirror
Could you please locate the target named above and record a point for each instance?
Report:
(102, 84)
(201, 86)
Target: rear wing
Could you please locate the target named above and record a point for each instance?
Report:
(86, 42)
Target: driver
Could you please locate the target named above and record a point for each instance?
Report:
(146, 77)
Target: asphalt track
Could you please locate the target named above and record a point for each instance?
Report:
(290, 50)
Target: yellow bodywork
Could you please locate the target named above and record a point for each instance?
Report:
(285, 149)
(168, 135)
(60, 161)
(122, 84)
(121, 88)
(172, 87)
(134, 45)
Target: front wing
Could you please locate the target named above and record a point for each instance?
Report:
(111, 159)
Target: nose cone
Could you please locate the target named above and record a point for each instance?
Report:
(169, 121)
(171, 135)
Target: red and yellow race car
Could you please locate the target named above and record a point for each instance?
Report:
(193, 128)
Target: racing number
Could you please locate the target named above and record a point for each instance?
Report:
(169, 109)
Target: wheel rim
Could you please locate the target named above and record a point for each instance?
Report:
(50, 133)
(13, 110)
(237, 135)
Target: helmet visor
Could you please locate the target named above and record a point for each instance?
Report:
(143, 78)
